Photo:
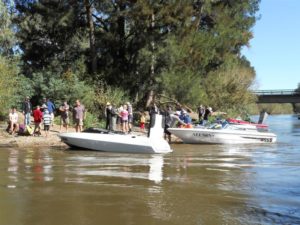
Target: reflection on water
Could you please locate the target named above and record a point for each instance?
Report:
(196, 184)
(119, 166)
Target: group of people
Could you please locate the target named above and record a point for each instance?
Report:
(181, 118)
(44, 114)
(120, 118)
(117, 118)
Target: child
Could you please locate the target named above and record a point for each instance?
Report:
(47, 121)
(37, 116)
(142, 122)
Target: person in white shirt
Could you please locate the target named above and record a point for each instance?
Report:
(13, 121)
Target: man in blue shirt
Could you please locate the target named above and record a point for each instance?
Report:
(51, 108)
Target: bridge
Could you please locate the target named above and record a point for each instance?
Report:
(278, 96)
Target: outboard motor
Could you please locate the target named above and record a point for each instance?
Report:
(156, 129)
(263, 117)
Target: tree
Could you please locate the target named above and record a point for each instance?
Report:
(140, 47)
(204, 57)
(50, 31)
(7, 35)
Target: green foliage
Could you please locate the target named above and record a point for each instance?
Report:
(60, 87)
(254, 109)
(183, 86)
(50, 31)
(8, 84)
(106, 93)
(276, 108)
(228, 87)
(91, 120)
(7, 36)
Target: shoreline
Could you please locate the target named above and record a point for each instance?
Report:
(28, 141)
(20, 141)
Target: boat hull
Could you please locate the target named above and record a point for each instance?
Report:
(222, 136)
(116, 143)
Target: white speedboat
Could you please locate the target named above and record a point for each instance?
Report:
(229, 134)
(114, 142)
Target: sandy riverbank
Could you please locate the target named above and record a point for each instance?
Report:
(32, 141)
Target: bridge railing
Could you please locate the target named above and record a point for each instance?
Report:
(277, 92)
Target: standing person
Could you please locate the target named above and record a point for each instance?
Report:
(79, 115)
(152, 111)
(44, 105)
(114, 112)
(51, 109)
(13, 125)
(124, 116)
(168, 121)
(119, 118)
(109, 116)
(64, 115)
(201, 111)
(130, 116)
(27, 110)
(47, 121)
(207, 113)
(142, 122)
(37, 116)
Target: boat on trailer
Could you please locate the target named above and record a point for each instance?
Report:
(229, 134)
(122, 143)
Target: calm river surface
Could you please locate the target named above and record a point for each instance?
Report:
(196, 184)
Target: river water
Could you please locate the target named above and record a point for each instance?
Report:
(195, 184)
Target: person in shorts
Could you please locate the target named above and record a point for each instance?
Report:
(47, 121)
(13, 125)
(79, 116)
(64, 116)
(124, 116)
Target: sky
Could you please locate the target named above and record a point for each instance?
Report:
(274, 51)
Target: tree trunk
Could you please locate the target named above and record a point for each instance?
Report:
(150, 98)
(93, 55)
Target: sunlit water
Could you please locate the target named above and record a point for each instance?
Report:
(196, 184)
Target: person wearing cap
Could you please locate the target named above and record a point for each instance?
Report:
(27, 110)
(46, 121)
(109, 117)
(185, 118)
